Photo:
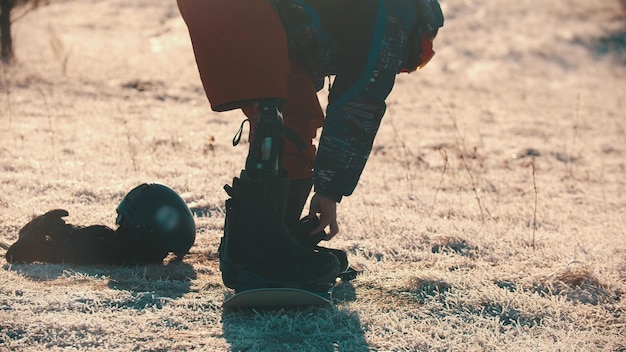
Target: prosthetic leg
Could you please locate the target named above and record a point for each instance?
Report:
(257, 250)
(266, 147)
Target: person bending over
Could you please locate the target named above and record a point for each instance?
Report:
(269, 58)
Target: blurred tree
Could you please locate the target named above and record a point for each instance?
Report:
(6, 6)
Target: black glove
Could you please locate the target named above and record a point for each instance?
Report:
(42, 239)
(301, 231)
(48, 238)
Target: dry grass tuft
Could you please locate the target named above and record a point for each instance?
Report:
(578, 284)
(576, 277)
(508, 315)
(423, 288)
(453, 244)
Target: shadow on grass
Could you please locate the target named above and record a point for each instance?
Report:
(577, 284)
(453, 244)
(146, 286)
(153, 285)
(304, 329)
(612, 44)
(344, 293)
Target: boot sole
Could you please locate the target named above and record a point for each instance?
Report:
(244, 280)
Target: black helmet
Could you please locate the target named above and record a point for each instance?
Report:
(156, 211)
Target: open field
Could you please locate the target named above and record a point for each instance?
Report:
(491, 214)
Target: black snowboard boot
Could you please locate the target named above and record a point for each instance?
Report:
(299, 191)
(257, 250)
(297, 196)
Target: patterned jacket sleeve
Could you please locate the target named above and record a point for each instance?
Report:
(365, 72)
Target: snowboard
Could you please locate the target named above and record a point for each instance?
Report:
(279, 298)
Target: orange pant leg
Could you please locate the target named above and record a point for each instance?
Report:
(240, 48)
(241, 52)
(303, 114)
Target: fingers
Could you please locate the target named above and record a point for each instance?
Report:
(334, 229)
(314, 209)
(331, 223)
(327, 210)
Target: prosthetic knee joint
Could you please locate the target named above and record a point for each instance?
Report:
(266, 147)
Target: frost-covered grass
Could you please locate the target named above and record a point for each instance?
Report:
(489, 217)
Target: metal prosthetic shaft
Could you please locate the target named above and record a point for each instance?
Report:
(266, 148)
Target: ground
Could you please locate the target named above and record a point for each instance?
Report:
(490, 215)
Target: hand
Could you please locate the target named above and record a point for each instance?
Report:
(327, 208)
